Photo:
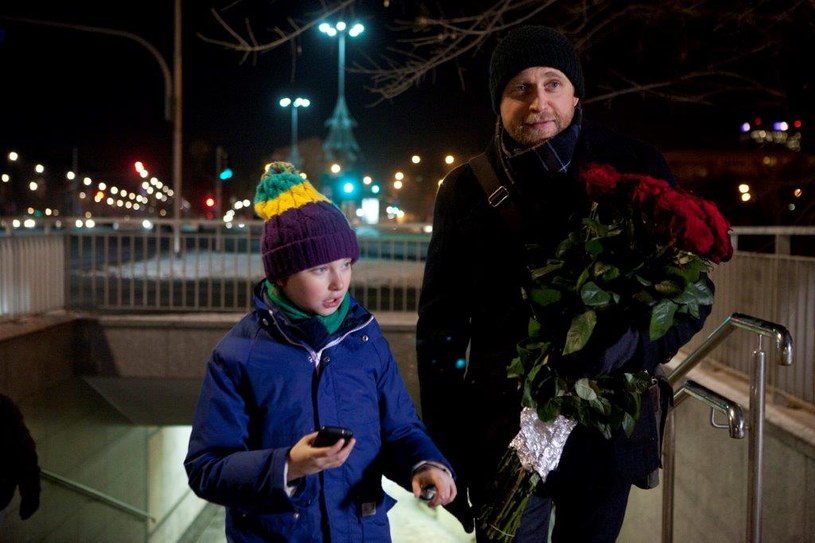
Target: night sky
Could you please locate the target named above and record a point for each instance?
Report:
(102, 97)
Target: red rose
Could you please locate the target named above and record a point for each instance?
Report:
(664, 210)
(692, 230)
(648, 191)
(601, 181)
(722, 250)
(680, 218)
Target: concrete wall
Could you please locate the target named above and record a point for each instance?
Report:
(37, 354)
(178, 346)
(153, 349)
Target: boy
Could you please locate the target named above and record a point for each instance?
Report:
(309, 355)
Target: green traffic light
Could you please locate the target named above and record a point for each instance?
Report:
(225, 174)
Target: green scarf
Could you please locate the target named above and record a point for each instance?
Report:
(331, 322)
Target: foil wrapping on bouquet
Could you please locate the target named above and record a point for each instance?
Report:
(539, 444)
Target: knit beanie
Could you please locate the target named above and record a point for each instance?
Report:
(530, 46)
(303, 228)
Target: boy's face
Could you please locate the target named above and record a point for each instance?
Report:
(321, 289)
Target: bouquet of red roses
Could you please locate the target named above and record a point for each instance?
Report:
(640, 255)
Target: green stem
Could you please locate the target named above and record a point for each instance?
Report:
(500, 515)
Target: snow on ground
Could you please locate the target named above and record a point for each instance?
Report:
(197, 265)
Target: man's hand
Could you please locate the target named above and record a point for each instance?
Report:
(305, 459)
(30, 494)
(610, 348)
(620, 352)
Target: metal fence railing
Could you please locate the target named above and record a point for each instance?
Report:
(771, 276)
(32, 274)
(117, 266)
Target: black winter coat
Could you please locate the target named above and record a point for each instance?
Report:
(471, 308)
(19, 467)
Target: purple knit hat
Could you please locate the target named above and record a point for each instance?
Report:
(303, 228)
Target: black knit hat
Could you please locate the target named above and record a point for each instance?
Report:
(530, 46)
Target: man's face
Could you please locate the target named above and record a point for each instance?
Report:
(537, 104)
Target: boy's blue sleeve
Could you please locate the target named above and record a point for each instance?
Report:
(405, 440)
(219, 464)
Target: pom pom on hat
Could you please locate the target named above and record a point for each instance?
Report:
(530, 46)
(303, 228)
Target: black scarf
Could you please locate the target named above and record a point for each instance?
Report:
(549, 194)
(552, 156)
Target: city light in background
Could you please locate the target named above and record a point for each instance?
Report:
(340, 143)
(780, 133)
(32, 190)
(411, 133)
(295, 104)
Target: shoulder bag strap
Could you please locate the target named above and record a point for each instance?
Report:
(498, 196)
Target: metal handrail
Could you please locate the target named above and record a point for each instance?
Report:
(716, 402)
(758, 382)
(736, 320)
(95, 494)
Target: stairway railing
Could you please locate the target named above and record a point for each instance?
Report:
(758, 382)
(95, 494)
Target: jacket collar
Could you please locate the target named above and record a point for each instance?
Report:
(308, 331)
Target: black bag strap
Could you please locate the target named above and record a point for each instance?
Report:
(498, 196)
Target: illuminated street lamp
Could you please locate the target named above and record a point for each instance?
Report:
(340, 142)
(294, 156)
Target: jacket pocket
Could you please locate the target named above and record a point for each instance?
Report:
(374, 519)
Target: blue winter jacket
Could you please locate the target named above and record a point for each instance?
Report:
(263, 392)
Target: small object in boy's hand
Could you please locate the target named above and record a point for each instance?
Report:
(428, 493)
(328, 435)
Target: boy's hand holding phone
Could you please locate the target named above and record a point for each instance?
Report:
(309, 456)
(328, 435)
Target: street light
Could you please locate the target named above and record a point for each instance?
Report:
(172, 93)
(340, 138)
(294, 156)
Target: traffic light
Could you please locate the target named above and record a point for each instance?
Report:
(348, 188)
(222, 164)
(209, 202)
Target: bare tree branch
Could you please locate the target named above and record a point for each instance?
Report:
(248, 45)
(727, 82)
(685, 50)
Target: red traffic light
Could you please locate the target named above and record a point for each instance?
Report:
(209, 202)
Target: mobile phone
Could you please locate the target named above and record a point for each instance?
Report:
(328, 435)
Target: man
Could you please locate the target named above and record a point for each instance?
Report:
(472, 313)
(19, 466)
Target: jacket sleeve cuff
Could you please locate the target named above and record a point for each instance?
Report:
(424, 464)
(280, 468)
